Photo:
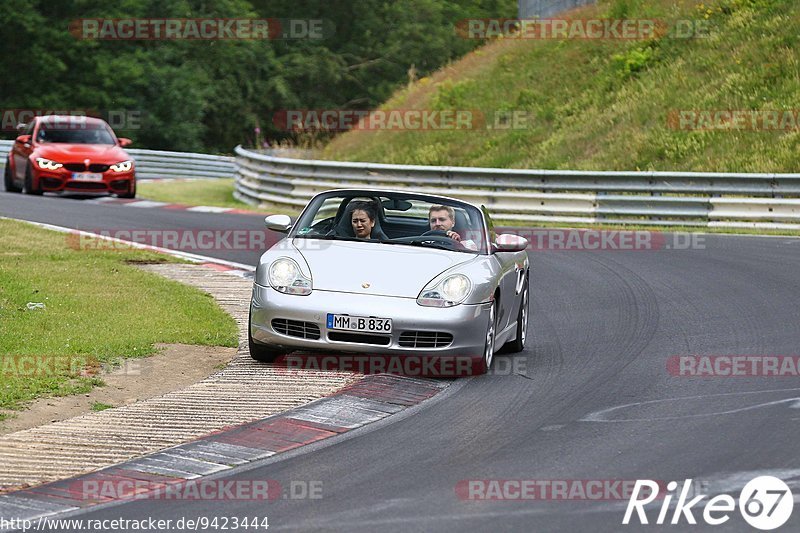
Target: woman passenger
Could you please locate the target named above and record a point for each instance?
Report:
(363, 219)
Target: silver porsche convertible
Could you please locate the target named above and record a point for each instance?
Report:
(390, 273)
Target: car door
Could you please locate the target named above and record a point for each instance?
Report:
(509, 277)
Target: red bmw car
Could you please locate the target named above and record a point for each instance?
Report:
(58, 153)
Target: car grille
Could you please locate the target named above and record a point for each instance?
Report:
(87, 185)
(359, 338)
(425, 339)
(296, 328)
(80, 167)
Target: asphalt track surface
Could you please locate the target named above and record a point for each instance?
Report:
(603, 326)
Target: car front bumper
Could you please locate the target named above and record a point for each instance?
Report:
(62, 181)
(466, 323)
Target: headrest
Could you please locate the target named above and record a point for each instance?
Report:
(462, 224)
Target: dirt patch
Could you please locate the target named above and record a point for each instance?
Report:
(174, 367)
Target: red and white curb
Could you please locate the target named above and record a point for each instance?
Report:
(366, 401)
(152, 204)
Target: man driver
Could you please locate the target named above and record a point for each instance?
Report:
(443, 218)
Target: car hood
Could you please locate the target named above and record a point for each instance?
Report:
(388, 269)
(96, 153)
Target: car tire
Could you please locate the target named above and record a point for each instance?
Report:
(130, 194)
(484, 362)
(29, 183)
(262, 352)
(518, 344)
(9, 180)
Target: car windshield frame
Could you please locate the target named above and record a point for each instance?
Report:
(74, 126)
(309, 213)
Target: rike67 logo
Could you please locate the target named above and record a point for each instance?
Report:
(765, 503)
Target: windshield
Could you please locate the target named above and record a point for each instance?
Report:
(74, 133)
(393, 218)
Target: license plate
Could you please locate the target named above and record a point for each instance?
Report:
(87, 176)
(363, 324)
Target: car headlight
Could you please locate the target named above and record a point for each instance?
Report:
(47, 164)
(122, 166)
(450, 291)
(285, 276)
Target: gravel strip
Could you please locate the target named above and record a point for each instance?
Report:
(242, 392)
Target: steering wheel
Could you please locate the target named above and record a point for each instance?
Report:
(435, 232)
(433, 236)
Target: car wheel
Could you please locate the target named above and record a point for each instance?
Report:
(485, 362)
(261, 352)
(29, 183)
(518, 344)
(9, 181)
(131, 193)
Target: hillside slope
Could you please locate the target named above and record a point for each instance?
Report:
(616, 104)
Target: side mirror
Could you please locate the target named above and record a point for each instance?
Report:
(508, 242)
(24, 139)
(123, 142)
(280, 223)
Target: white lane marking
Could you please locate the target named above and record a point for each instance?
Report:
(175, 253)
(21, 508)
(146, 203)
(600, 416)
(209, 209)
(727, 483)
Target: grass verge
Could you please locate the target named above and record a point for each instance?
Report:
(612, 104)
(98, 309)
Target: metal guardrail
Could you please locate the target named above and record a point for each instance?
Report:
(157, 164)
(531, 196)
(5, 146)
(535, 196)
